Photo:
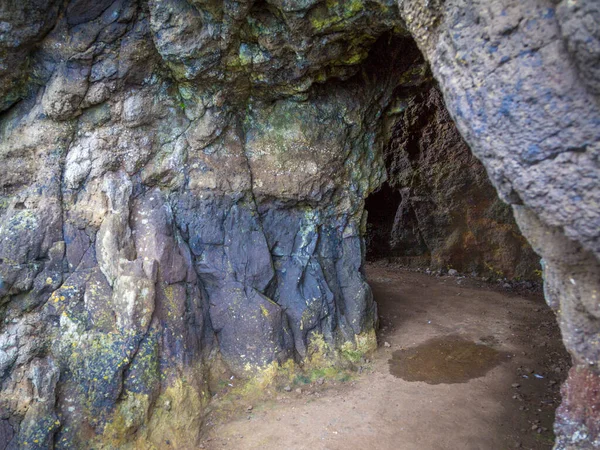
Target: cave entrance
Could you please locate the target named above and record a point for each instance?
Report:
(458, 288)
(438, 209)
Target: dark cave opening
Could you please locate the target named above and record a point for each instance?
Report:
(381, 206)
(438, 209)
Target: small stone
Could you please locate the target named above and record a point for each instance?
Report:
(516, 385)
(287, 389)
(387, 344)
(320, 381)
(250, 408)
(298, 391)
(453, 272)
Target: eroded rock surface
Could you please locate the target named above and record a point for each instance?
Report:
(438, 209)
(520, 81)
(182, 184)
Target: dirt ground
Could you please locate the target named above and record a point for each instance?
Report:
(461, 364)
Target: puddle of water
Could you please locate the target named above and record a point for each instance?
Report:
(447, 359)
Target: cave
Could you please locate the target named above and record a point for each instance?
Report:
(206, 208)
(437, 223)
(437, 208)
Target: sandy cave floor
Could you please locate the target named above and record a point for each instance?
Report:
(491, 358)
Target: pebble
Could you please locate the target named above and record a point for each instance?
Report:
(453, 272)
(387, 344)
(516, 385)
(298, 391)
(287, 389)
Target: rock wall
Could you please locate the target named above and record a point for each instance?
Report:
(439, 209)
(182, 184)
(520, 80)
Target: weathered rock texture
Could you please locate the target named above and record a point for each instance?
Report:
(520, 79)
(185, 179)
(182, 182)
(439, 209)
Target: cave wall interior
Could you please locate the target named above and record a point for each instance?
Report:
(183, 183)
(521, 81)
(438, 210)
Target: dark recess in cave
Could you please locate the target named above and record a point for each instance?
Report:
(381, 207)
(438, 208)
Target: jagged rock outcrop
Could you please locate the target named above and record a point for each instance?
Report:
(438, 208)
(182, 184)
(520, 80)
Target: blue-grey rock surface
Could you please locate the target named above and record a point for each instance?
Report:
(182, 187)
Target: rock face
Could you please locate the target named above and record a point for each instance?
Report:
(184, 182)
(439, 209)
(520, 80)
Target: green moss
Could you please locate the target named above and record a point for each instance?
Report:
(130, 414)
(264, 311)
(245, 55)
(335, 13)
(176, 416)
(539, 273)
(356, 58)
(363, 344)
